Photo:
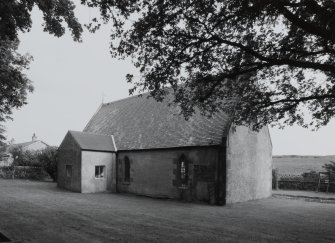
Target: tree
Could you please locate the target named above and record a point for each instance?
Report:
(15, 16)
(24, 158)
(14, 84)
(48, 161)
(259, 60)
(2, 139)
(330, 167)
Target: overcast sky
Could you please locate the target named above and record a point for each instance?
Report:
(70, 79)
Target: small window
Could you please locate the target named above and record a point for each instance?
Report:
(183, 170)
(99, 171)
(126, 169)
(68, 170)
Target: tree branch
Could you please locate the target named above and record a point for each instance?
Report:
(308, 27)
(302, 99)
(231, 75)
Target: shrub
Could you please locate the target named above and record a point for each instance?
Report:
(48, 161)
(311, 176)
(25, 158)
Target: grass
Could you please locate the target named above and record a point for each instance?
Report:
(296, 164)
(40, 212)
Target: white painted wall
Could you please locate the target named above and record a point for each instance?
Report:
(89, 160)
(38, 145)
(249, 164)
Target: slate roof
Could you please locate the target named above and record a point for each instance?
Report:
(139, 122)
(24, 144)
(94, 142)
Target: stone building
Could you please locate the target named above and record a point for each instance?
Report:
(140, 146)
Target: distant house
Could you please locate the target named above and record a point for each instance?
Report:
(140, 146)
(6, 158)
(33, 145)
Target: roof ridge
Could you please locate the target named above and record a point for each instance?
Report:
(131, 97)
(135, 96)
(123, 99)
(91, 133)
(96, 112)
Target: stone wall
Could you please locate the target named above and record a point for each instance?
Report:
(69, 153)
(155, 173)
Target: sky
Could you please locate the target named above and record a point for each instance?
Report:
(72, 79)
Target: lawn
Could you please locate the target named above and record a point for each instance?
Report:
(40, 212)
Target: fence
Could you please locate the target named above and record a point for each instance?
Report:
(311, 181)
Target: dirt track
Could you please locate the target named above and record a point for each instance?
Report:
(40, 212)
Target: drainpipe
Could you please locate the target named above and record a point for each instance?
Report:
(221, 175)
(116, 165)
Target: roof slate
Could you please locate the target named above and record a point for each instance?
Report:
(24, 144)
(95, 142)
(139, 122)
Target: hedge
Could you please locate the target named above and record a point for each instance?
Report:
(22, 172)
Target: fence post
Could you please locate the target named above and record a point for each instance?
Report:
(13, 175)
(275, 179)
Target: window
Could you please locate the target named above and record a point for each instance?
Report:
(68, 169)
(183, 170)
(99, 171)
(126, 169)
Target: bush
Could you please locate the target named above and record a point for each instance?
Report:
(6, 172)
(21, 172)
(25, 158)
(311, 176)
(45, 159)
(48, 161)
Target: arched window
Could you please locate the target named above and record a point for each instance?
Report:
(183, 170)
(126, 169)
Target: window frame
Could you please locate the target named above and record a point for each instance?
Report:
(68, 170)
(100, 174)
(183, 171)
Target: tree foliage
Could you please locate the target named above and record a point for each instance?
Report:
(14, 83)
(263, 61)
(48, 161)
(24, 158)
(330, 167)
(2, 139)
(45, 158)
(15, 17)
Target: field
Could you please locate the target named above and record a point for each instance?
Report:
(40, 212)
(295, 164)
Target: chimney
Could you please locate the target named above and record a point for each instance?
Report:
(34, 138)
(12, 141)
